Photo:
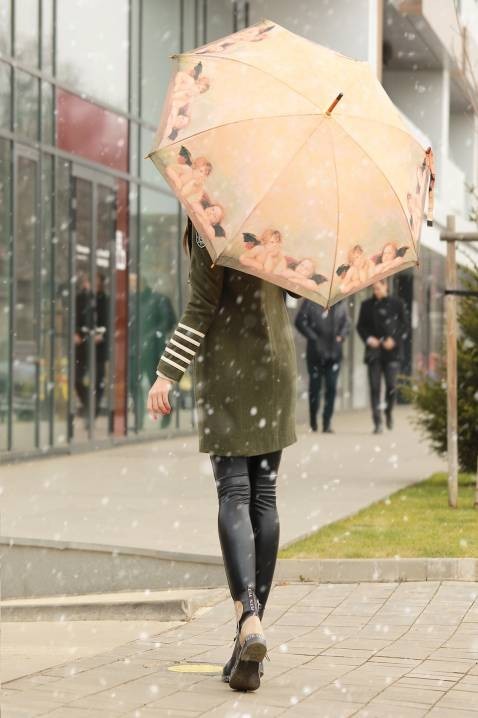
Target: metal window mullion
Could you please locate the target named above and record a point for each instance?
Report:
(111, 320)
(12, 293)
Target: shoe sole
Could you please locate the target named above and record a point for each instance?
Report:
(245, 675)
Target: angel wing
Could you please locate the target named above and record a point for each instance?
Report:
(401, 251)
(185, 154)
(250, 238)
(197, 70)
(319, 278)
(342, 269)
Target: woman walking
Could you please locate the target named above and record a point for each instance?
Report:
(236, 329)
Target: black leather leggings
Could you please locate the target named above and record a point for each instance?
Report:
(248, 521)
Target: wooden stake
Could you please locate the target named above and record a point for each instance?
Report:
(451, 368)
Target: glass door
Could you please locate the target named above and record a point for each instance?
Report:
(92, 311)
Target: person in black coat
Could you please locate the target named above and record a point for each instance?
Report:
(382, 327)
(325, 331)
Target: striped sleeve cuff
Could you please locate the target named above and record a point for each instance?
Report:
(180, 351)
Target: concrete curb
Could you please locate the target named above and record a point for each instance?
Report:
(39, 568)
(135, 606)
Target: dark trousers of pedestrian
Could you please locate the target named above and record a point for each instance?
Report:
(322, 373)
(248, 521)
(389, 369)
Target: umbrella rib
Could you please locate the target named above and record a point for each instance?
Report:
(281, 171)
(259, 69)
(236, 122)
(375, 164)
(332, 142)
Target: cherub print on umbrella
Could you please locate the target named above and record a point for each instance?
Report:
(266, 255)
(256, 33)
(362, 269)
(188, 176)
(187, 85)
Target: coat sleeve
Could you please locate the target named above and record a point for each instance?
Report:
(302, 322)
(362, 324)
(206, 285)
(343, 328)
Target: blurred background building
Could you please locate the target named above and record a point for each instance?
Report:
(92, 276)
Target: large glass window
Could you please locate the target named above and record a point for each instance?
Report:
(47, 36)
(5, 95)
(92, 48)
(219, 19)
(157, 301)
(161, 38)
(61, 288)
(5, 27)
(26, 31)
(26, 105)
(25, 365)
(47, 378)
(5, 251)
(47, 116)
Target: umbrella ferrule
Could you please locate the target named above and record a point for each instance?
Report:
(328, 112)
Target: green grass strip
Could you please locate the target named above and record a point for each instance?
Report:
(412, 522)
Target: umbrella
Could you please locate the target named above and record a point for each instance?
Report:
(293, 163)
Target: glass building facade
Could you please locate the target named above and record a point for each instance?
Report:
(92, 274)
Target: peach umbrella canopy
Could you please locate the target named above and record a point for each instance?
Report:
(293, 163)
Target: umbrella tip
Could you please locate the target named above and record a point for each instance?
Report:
(334, 103)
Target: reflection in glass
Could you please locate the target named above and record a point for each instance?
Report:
(47, 116)
(26, 31)
(149, 173)
(25, 365)
(47, 384)
(84, 299)
(219, 19)
(26, 111)
(157, 302)
(104, 278)
(5, 96)
(47, 36)
(161, 37)
(5, 28)
(92, 48)
(5, 229)
(61, 298)
(134, 374)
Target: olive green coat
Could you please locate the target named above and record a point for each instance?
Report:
(236, 333)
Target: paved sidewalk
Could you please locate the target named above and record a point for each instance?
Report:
(161, 495)
(390, 650)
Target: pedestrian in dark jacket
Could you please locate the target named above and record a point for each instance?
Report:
(325, 331)
(236, 332)
(382, 327)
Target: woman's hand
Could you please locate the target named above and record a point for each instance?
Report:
(158, 402)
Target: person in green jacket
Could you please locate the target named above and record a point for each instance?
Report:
(236, 333)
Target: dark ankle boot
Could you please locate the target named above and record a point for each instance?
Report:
(226, 671)
(245, 673)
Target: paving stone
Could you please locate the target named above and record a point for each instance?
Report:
(368, 650)
(467, 700)
(392, 710)
(314, 707)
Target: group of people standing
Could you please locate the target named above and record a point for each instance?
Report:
(381, 326)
